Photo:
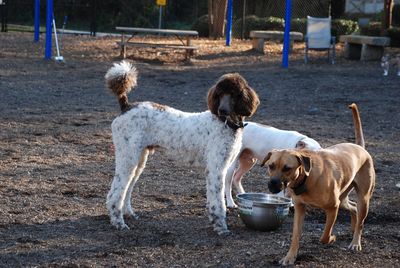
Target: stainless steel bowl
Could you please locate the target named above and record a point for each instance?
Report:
(264, 212)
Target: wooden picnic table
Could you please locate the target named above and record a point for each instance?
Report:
(184, 36)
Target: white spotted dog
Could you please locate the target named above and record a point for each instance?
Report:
(209, 139)
(257, 141)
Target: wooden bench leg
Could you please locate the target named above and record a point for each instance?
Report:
(291, 45)
(123, 51)
(258, 44)
(369, 52)
(189, 52)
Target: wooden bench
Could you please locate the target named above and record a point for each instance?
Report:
(185, 38)
(258, 38)
(362, 47)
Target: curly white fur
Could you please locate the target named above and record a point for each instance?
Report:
(197, 138)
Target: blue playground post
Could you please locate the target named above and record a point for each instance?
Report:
(286, 36)
(229, 13)
(37, 21)
(49, 20)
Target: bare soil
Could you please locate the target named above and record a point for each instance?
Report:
(56, 159)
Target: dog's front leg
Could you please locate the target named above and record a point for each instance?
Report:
(215, 202)
(327, 237)
(299, 212)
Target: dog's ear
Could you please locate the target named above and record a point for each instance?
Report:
(213, 100)
(266, 159)
(305, 161)
(247, 102)
(300, 145)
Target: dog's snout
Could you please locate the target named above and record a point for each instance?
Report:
(225, 105)
(275, 185)
(223, 111)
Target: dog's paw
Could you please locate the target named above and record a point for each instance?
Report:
(122, 226)
(222, 232)
(131, 214)
(288, 260)
(328, 240)
(355, 247)
(231, 205)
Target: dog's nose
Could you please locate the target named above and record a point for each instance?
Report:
(223, 111)
(275, 185)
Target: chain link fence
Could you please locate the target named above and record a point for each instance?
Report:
(105, 15)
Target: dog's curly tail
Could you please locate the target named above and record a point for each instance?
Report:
(121, 78)
(357, 125)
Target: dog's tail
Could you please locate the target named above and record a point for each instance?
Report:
(357, 125)
(121, 78)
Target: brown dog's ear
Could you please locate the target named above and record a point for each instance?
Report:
(213, 100)
(266, 159)
(247, 102)
(306, 163)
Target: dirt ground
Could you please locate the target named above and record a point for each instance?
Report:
(56, 160)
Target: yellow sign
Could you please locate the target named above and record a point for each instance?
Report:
(161, 2)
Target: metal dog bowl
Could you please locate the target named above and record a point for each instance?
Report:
(263, 212)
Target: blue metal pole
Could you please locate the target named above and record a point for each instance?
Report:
(286, 36)
(49, 20)
(37, 21)
(229, 12)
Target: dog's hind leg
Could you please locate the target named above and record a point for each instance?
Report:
(128, 210)
(246, 162)
(125, 167)
(365, 183)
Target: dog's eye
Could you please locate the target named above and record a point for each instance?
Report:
(286, 168)
(271, 167)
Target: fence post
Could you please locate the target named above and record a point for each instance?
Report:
(37, 21)
(229, 23)
(286, 36)
(243, 18)
(49, 20)
(3, 9)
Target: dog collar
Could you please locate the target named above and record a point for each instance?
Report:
(231, 124)
(301, 187)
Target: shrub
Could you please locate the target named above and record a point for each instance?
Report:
(343, 27)
(201, 26)
(273, 24)
(299, 25)
(254, 23)
(394, 34)
(251, 23)
(372, 29)
(339, 26)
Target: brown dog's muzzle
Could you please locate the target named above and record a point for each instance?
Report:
(275, 185)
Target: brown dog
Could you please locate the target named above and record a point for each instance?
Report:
(324, 179)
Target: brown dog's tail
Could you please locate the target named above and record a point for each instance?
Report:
(121, 79)
(357, 125)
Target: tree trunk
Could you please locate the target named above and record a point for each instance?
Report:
(387, 16)
(216, 17)
(337, 8)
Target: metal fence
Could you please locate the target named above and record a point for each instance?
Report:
(104, 15)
